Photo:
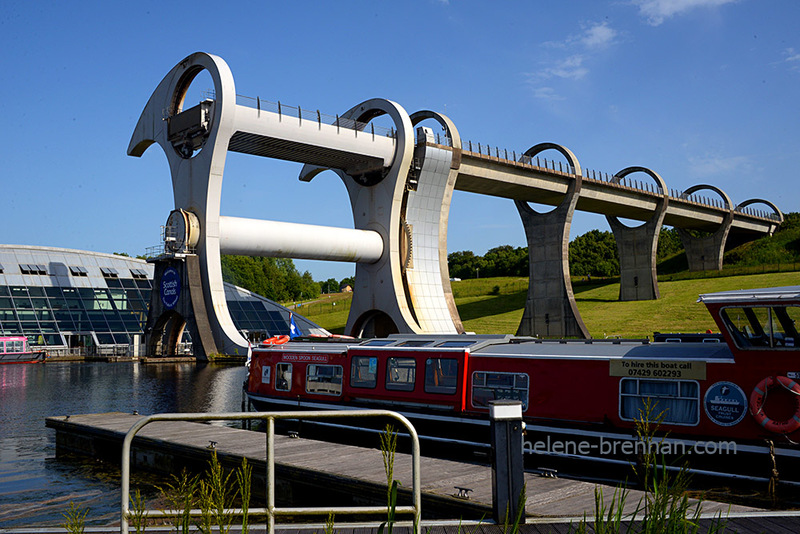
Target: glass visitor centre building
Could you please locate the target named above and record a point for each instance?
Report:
(77, 301)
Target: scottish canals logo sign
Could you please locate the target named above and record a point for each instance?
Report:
(170, 287)
(725, 403)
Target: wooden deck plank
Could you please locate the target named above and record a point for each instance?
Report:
(548, 497)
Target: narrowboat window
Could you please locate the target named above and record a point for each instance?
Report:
(415, 343)
(762, 326)
(488, 386)
(441, 375)
(456, 344)
(265, 372)
(401, 373)
(324, 379)
(678, 399)
(364, 372)
(379, 342)
(283, 376)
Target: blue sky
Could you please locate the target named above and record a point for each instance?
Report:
(701, 91)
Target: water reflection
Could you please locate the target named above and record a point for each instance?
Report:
(35, 489)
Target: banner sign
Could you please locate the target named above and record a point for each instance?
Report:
(170, 287)
(657, 369)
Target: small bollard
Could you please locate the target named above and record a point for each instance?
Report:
(508, 478)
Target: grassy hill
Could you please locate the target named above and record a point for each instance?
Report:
(495, 305)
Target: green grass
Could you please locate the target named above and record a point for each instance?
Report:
(676, 311)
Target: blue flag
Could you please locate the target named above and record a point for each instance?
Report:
(293, 330)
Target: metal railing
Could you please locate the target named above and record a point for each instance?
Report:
(271, 511)
(487, 150)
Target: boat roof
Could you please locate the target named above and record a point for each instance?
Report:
(607, 348)
(752, 295)
(512, 346)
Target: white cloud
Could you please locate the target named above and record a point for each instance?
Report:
(792, 58)
(546, 93)
(657, 11)
(599, 36)
(573, 65)
(710, 165)
(570, 68)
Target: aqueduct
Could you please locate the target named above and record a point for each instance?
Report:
(400, 183)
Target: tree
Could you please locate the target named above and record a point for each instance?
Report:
(330, 286)
(274, 278)
(594, 254)
(506, 261)
(669, 243)
(465, 264)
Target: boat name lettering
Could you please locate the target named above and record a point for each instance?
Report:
(314, 358)
(657, 369)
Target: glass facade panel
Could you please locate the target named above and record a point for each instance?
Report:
(105, 339)
(35, 291)
(112, 308)
(53, 292)
(22, 302)
(11, 328)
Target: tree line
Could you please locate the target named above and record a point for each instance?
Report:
(595, 254)
(591, 254)
(277, 278)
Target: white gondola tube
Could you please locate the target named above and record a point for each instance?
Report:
(254, 237)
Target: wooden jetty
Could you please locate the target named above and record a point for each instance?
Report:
(320, 469)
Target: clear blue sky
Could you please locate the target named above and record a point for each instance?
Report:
(701, 91)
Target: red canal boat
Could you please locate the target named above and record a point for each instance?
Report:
(724, 398)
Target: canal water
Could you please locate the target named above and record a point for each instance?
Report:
(35, 487)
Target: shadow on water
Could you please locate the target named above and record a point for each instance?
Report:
(36, 488)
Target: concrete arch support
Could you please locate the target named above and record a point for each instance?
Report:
(197, 161)
(705, 253)
(550, 309)
(638, 246)
(778, 214)
(427, 210)
(381, 302)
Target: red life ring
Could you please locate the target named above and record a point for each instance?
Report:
(276, 340)
(759, 396)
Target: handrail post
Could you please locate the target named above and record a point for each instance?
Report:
(416, 480)
(271, 475)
